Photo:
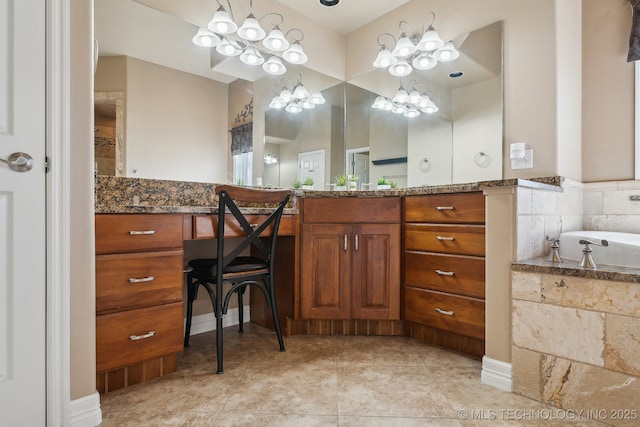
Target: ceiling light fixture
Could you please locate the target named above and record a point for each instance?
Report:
(422, 52)
(229, 39)
(329, 3)
(408, 103)
(297, 98)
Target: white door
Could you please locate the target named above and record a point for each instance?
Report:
(311, 165)
(22, 214)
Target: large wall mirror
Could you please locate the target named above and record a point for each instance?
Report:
(345, 135)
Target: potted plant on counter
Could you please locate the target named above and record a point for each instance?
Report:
(341, 183)
(296, 185)
(307, 184)
(383, 184)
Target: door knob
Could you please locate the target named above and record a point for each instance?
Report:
(19, 162)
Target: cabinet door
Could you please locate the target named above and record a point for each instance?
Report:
(326, 259)
(375, 272)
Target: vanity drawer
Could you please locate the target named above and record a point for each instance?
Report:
(131, 232)
(446, 208)
(352, 210)
(459, 314)
(132, 336)
(139, 279)
(457, 239)
(206, 226)
(448, 273)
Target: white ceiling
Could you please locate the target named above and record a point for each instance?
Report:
(346, 16)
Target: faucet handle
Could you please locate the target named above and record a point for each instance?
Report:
(587, 258)
(555, 241)
(554, 254)
(586, 243)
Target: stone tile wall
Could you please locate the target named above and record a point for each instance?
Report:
(541, 212)
(608, 206)
(576, 344)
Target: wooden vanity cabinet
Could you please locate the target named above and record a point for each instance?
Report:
(139, 308)
(444, 270)
(351, 258)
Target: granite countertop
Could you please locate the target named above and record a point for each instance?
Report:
(121, 195)
(572, 268)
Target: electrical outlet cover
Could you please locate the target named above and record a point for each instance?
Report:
(526, 163)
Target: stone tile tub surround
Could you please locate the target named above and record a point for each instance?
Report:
(576, 343)
(608, 206)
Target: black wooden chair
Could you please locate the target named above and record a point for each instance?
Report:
(234, 269)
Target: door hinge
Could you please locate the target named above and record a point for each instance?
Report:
(46, 164)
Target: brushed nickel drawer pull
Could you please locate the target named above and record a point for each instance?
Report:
(142, 337)
(445, 208)
(445, 238)
(142, 233)
(444, 273)
(253, 225)
(346, 240)
(356, 243)
(445, 312)
(143, 279)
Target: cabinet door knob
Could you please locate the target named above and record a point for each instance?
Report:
(445, 312)
(444, 273)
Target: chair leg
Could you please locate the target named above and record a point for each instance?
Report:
(240, 292)
(219, 317)
(191, 288)
(274, 313)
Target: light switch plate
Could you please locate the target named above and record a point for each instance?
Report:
(526, 163)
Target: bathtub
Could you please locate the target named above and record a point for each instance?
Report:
(623, 249)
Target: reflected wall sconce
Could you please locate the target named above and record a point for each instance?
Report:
(229, 39)
(296, 98)
(409, 103)
(422, 52)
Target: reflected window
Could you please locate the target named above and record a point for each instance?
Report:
(242, 168)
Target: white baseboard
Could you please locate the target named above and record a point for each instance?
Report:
(207, 322)
(496, 373)
(85, 412)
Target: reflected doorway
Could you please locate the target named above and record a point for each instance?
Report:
(312, 166)
(358, 164)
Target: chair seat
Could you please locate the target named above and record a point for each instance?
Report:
(207, 266)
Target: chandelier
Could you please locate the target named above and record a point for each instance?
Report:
(229, 39)
(270, 159)
(408, 103)
(297, 98)
(419, 52)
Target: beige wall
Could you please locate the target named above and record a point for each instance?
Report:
(82, 286)
(175, 124)
(176, 127)
(607, 92)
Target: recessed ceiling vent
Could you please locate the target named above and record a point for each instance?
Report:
(329, 2)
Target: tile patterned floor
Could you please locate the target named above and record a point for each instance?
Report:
(321, 381)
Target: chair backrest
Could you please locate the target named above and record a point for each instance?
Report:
(228, 198)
